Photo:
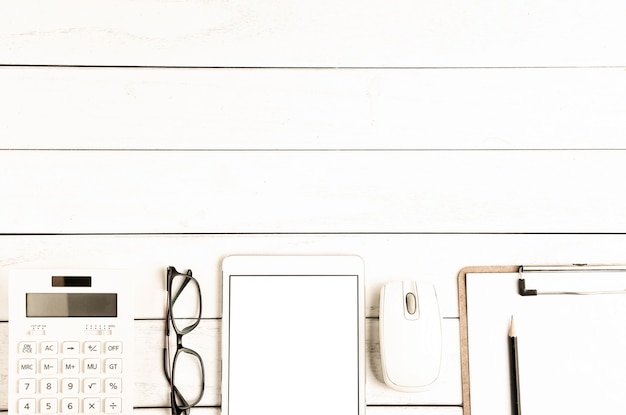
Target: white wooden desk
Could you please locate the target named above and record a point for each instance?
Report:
(386, 256)
(422, 137)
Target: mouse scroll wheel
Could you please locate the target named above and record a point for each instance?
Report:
(411, 303)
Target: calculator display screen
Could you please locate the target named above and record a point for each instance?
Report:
(71, 305)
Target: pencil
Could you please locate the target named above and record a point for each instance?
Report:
(513, 371)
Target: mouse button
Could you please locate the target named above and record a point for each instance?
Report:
(411, 303)
(410, 300)
(390, 307)
(427, 301)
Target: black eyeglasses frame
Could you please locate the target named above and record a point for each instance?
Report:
(178, 403)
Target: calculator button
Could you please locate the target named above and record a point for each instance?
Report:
(92, 348)
(28, 348)
(70, 377)
(113, 385)
(113, 366)
(69, 405)
(26, 406)
(91, 406)
(48, 386)
(92, 385)
(27, 366)
(49, 348)
(91, 366)
(26, 386)
(113, 405)
(71, 366)
(48, 366)
(113, 347)
(71, 347)
(48, 406)
(70, 386)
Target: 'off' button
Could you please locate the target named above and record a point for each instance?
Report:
(113, 347)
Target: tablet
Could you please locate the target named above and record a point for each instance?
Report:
(293, 334)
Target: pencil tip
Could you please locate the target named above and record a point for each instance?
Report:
(512, 328)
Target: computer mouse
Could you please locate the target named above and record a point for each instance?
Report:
(410, 335)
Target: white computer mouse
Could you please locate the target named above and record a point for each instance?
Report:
(410, 335)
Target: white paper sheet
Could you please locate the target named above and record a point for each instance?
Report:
(572, 355)
(571, 348)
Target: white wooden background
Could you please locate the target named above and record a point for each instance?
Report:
(424, 137)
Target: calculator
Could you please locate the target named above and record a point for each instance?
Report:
(70, 342)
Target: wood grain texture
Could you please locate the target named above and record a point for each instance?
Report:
(375, 410)
(151, 388)
(414, 91)
(116, 108)
(318, 192)
(413, 410)
(372, 410)
(387, 257)
(324, 33)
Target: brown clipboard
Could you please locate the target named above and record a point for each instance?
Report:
(504, 269)
(463, 323)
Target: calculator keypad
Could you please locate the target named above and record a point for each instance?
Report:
(70, 377)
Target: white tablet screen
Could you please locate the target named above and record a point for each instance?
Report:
(293, 345)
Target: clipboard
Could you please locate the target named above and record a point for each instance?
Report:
(571, 323)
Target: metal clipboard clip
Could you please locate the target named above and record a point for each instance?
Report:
(523, 290)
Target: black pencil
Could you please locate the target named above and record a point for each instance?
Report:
(513, 371)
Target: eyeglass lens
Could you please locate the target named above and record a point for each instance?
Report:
(188, 377)
(185, 306)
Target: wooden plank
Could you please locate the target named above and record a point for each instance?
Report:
(312, 109)
(327, 33)
(151, 388)
(372, 410)
(413, 410)
(386, 257)
(319, 192)
(166, 411)
(376, 410)
(436, 258)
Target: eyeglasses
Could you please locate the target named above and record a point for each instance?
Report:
(185, 372)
